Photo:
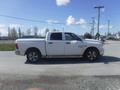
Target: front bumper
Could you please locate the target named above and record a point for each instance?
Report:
(101, 51)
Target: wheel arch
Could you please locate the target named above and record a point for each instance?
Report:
(32, 48)
(92, 47)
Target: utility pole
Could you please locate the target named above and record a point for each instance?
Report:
(108, 27)
(98, 25)
(93, 26)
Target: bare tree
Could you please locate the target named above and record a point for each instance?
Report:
(22, 34)
(0, 35)
(35, 31)
(14, 34)
(55, 30)
(19, 33)
(9, 33)
(47, 30)
(28, 31)
(119, 33)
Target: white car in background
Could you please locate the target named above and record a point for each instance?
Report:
(59, 44)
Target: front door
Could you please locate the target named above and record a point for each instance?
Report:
(73, 44)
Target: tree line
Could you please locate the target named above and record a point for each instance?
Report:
(15, 33)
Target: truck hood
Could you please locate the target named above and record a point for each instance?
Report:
(92, 41)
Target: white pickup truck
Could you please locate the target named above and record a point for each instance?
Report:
(59, 44)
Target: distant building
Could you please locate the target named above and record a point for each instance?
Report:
(118, 36)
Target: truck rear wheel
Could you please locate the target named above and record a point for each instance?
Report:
(33, 56)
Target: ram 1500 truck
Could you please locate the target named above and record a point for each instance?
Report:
(59, 44)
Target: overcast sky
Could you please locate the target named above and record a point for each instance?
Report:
(74, 14)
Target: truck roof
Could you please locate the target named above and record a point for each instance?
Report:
(58, 32)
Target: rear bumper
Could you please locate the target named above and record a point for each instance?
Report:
(17, 52)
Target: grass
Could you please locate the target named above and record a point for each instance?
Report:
(7, 46)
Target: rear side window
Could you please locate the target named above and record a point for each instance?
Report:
(56, 36)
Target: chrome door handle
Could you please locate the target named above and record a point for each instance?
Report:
(68, 43)
(50, 42)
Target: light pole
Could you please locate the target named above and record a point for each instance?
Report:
(98, 25)
(108, 27)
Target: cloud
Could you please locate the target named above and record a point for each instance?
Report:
(62, 2)
(70, 20)
(105, 26)
(81, 21)
(2, 25)
(52, 22)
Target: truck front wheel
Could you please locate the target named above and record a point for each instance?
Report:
(91, 54)
(33, 56)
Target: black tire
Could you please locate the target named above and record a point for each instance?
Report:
(33, 56)
(91, 54)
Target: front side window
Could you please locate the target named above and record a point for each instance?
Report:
(71, 36)
(56, 36)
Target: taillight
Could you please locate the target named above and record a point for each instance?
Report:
(16, 45)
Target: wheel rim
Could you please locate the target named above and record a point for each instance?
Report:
(92, 55)
(33, 56)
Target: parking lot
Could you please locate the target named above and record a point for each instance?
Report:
(62, 74)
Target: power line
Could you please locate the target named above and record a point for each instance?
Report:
(31, 20)
(20, 18)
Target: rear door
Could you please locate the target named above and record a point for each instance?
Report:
(55, 46)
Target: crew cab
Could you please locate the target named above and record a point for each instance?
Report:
(59, 44)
